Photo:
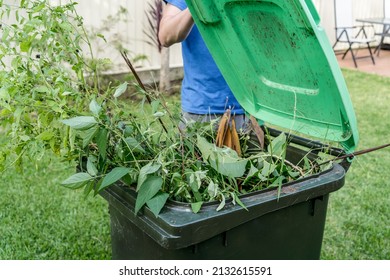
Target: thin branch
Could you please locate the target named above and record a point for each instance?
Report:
(358, 153)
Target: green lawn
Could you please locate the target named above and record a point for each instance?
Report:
(358, 222)
(41, 220)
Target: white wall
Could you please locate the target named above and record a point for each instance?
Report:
(131, 31)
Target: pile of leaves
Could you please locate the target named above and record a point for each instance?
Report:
(169, 164)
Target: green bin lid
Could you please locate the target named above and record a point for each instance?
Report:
(279, 64)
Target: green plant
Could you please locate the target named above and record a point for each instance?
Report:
(49, 72)
(43, 78)
(51, 98)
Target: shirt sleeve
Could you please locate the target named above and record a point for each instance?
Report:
(181, 4)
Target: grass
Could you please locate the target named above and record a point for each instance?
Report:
(357, 225)
(41, 220)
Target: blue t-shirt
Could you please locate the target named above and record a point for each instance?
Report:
(204, 90)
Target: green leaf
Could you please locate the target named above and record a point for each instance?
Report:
(251, 173)
(4, 37)
(278, 145)
(268, 168)
(102, 142)
(101, 36)
(205, 147)
(134, 145)
(159, 114)
(196, 206)
(150, 168)
(278, 183)
(80, 123)
(120, 89)
(228, 166)
(212, 189)
(25, 46)
(41, 89)
(195, 179)
(88, 188)
(4, 94)
(155, 104)
(24, 138)
(307, 163)
(45, 136)
(157, 203)
(39, 8)
(88, 134)
(91, 168)
(222, 204)
(293, 174)
(113, 176)
(94, 107)
(238, 201)
(128, 131)
(224, 160)
(149, 188)
(66, 26)
(77, 180)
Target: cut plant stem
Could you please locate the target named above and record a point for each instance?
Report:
(352, 155)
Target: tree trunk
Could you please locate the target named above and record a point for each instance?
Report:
(165, 79)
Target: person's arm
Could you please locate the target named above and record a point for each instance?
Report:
(175, 25)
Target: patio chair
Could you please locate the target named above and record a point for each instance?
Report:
(386, 28)
(347, 32)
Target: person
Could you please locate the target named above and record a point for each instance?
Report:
(205, 94)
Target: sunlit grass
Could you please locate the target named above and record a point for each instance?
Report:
(39, 219)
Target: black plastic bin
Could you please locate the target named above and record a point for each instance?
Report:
(288, 227)
(278, 62)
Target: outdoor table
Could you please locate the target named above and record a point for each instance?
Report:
(386, 28)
